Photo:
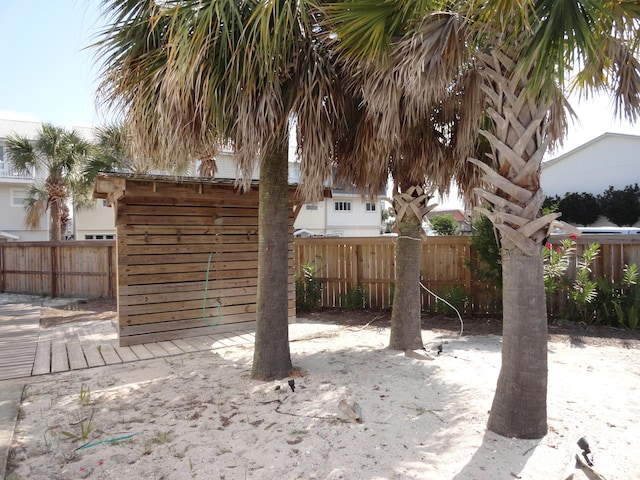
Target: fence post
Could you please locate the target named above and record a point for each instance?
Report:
(2, 273)
(54, 269)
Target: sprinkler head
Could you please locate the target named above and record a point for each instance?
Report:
(584, 445)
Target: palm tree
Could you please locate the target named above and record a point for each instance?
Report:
(58, 154)
(390, 139)
(191, 75)
(513, 58)
(418, 156)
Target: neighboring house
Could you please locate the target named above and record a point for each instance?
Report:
(612, 159)
(14, 189)
(344, 214)
(97, 223)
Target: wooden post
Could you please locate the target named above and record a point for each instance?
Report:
(54, 267)
(110, 289)
(2, 274)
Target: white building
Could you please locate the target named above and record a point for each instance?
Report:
(610, 160)
(14, 189)
(344, 214)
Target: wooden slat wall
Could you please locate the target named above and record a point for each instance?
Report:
(82, 268)
(166, 234)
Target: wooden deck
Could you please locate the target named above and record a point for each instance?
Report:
(27, 350)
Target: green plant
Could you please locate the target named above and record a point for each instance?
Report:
(579, 208)
(354, 299)
(444, 224)
(85, 425)
(622, 207)
(618, 304)
(484, 242)
(579, 294)
(556, 263)
(85, 395)
(455, 295)
(584, 290)
(308, 288)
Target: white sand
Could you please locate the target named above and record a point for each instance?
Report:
(201, 416)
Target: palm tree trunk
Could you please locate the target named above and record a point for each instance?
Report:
(410, 206)
(406, 328)
(271, 357)
(520, 404)
(55, 233)
(518, 143)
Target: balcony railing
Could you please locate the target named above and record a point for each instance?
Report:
(7, 171)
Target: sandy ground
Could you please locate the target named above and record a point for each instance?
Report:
(202, 416)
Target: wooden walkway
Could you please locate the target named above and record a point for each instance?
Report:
(19, 329)
(27, 350)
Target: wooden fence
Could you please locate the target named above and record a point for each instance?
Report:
(82, 268)
(89, 268)
(343, 264)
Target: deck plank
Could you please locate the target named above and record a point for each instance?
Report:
(156, 350)
(141, 352)
(170, 348)
(59, 359)
(184, 346)
(109, 354)
(93, 356)
(76, 355)
(125, 353)
(42, 362)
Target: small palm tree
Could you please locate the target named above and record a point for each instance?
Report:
(58, 155)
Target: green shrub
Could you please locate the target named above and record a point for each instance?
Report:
(618, 304)
(584, 290)
(622, 207)
(457, 296)
(485, 244)
(579, 208)
(354, 299)
(308, 289)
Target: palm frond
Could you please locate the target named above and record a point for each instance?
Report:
(35, 206)
(21, 154)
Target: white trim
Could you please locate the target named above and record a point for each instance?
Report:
(8, 235)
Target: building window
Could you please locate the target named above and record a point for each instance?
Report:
(98, 237)
(342, 206)
(370, 207)
(311, 206)
(19, 197)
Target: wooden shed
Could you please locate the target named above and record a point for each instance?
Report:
(187, 252)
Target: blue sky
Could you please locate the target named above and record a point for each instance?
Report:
(47, 76)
